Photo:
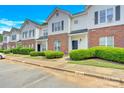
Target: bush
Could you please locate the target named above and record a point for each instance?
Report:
(107, 53)
(1, 50)
(53, 54)
(37, 53)
(110, 53)
(6, 51)
(81, 54)
(25, 51)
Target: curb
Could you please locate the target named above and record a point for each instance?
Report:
(75, 72)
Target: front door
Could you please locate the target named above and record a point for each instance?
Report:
(74, 44)
(38, 47)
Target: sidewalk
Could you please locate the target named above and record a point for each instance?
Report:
(99, 72)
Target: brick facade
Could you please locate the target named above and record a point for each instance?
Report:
(12, 44)
(29, 43)
(63, 38)
(116, 31)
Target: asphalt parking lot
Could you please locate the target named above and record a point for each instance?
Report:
(20, 75)
(14, 75)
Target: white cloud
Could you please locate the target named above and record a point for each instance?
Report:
(7, 22)
(6, 25)
(41, 21)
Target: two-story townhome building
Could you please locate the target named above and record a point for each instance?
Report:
(6, 38)
(29, 32)
(98, 25)
(67, 31)
(14, 37)
(106, 25)
(42, 41)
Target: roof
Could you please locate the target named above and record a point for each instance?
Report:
(58, 9)
(42, 37)
(79, 31)
(30, 21)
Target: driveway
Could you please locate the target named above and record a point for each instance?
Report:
(20, 75)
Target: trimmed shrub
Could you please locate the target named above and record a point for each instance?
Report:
(110, 53)
(6, 51)
(53, 54)
(107, 53)
(81, 54)
(33, 53)
(1, 50)
(25, 51)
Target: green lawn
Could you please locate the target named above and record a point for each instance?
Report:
(98, 63)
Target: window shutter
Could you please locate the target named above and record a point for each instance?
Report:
(62, 25)
(117, 13)
(96, 17)
(52, 27)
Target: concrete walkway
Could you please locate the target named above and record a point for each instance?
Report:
(60, 64)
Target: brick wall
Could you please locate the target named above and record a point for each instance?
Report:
(12, 44)
(61, 37)
(28, 43)
(116, 31)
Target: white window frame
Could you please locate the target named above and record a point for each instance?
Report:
(57, 45)
(102, 15)
(110, 12)
(106, 41)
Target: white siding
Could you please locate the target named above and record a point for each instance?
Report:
(29, 27)
(82, 22)
(59, 18)
(95, 8)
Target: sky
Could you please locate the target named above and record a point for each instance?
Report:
(14, 15)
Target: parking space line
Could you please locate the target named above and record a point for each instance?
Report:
(36, 81)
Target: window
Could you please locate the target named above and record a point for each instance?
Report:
(13, 37)
(75, 21)
(96, 17)
(106, 41)
(5, 38)
(57, 14)
(58, 26)
(30, 33)
(102, 16)
(45, 33)
(33, 33)
(57, 45)
(110, 14)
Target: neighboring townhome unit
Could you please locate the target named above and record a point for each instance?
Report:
(106, 24)
(29, 33)
(14, 38)
(6, 39)
(42, 41)
(66, 31)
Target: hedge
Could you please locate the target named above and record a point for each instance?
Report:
(53, 54)
(6, 51)
(25, 51)
(81, 54)
(110, 53)
(107, 53)
(33, 53)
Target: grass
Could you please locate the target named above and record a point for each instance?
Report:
(99, 63)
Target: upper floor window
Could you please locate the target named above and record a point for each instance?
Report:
(110, 14)
(45, 33)
(58, 26)
(75, 21)
(102, 16)
(5, 38)
(13, 37)
(57, 14)
(117, 13)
